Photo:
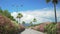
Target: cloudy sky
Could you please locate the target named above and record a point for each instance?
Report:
(39, 9)
(44, 15)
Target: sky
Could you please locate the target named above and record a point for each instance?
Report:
(39, 9)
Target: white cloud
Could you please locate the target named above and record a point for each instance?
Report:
(41, 15)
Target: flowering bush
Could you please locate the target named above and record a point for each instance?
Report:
(39, 28)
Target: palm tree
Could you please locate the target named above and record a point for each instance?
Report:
(23, 22)
(31, 23)
(54, 3)
(19, 16)
(34, 20)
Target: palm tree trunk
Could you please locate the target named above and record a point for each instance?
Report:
(55, 13)
(19, 20)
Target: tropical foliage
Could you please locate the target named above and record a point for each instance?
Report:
(19, 16)
(34, 20)
(8, 24)
(23, 22)
(31, 23)
(6, 13)
(51, 28)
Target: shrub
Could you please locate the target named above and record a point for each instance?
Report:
(9, 27)
(51, 28)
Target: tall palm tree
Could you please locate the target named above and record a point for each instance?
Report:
(55, 2)
(19, 16)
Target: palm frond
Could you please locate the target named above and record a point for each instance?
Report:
(48, 1)
(19, 15)
(55, 1)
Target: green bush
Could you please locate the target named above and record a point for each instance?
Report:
(51, 28)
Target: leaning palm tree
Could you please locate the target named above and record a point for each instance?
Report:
(19, 16)
(55, 2)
